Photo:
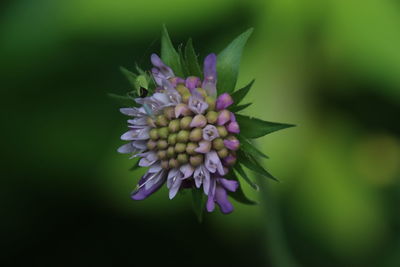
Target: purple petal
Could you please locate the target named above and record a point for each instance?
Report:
(223, 117)
(126, 149)
(229, 160)
(198, 121)
(232, 144)
(210, 132)
(142, 193)
(233, 127)
(136, 112)
(164, 69)
(176, 80)
(182, 109)
(197, 105)
(224, 101)
(187, 170)
(202, 176)
(229, 185)
(204, 147)
(137, 133)
(211, 193)
(192, 83)
(210, 75)
(221, 197)
(149, 159)
(213, 163)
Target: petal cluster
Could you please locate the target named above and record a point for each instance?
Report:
(185, 135)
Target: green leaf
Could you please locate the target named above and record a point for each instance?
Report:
(184, 63)
(254, 128)
(238, 95)
(239, 108)
(169, 54)
(252, 164)
(135, 167)
(130, 76)
(124, 101)
(243, 174)
(239, 195)
(198, 203)
(228, 62)
(249, 148)
(192, 60)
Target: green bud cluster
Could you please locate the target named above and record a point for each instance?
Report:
(174, 140)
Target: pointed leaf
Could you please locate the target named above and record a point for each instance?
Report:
(130, 76)
(198, 203)
(228, 62)
(243, 174)
(192, 60)
(239, 108)
(252, 164)
(239, 195)
(183, 62)
(238, 95)
(253, 128)
(123, 101)
(249, 148)
(169, 54)
(136, 166)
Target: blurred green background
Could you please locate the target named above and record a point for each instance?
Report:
(331, 67)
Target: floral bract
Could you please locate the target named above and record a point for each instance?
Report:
(184, 130)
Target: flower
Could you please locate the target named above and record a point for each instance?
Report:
(184, 129)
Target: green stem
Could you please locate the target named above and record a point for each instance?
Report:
(280, 255)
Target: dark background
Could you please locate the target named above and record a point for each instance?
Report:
(330, 67)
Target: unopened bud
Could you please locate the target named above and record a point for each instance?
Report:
(182, 89)
(230, 160)
(222, 131)
(180, 147)
(150, 122)
(153, 133)
(182, 110)
(212, 117)
(224, 101)
(183, 136)
(161, 120)
(171, 152)
(233, 127)
(162, 144)
(211, 103)
(172, 139)
(173, 126)
(222, 153)
(190, 148)
(185, 97)
(199, 121)
(169, 112)
(196, 160)
(185, 123)
(182, 158)
(196, 135)
(151, 144)
(163, 132)
(232, 143)
(218, 144)
(223, 117)
(162, 154)
(173, 163)
(164, 164)
(202, 92)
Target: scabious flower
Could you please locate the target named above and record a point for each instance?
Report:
(185, 131)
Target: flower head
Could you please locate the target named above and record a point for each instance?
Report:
(184, 131)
